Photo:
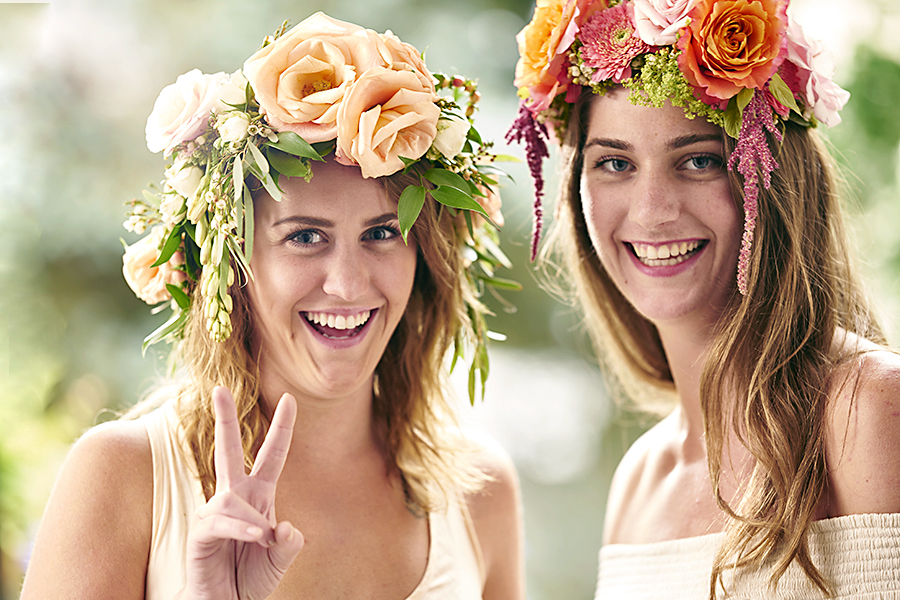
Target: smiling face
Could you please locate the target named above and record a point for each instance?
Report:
(659, 209)
(332, 278)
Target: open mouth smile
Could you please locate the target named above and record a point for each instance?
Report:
(337, 327)
(666, 255)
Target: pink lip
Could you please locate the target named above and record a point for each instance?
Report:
(668, 270)
(341, 343)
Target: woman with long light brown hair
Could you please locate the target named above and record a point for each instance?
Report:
(690, 154)
(312, 239)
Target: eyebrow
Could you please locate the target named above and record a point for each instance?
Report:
(324, 223)
(673, 144)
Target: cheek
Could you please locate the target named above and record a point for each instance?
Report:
(599, 218)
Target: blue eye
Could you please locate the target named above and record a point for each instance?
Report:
(383, 233)
(306, 237)
(702, 162)
(616, 165)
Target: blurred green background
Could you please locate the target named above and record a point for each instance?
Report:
(77, 81)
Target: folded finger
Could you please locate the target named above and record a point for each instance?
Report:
(288, 543)
(218, 528)
(233, 506)
(273, 452)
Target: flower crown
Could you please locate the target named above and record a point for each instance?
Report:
(323, 86)
(740, 64)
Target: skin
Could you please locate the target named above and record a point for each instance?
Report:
(322, 514)
(653, 177)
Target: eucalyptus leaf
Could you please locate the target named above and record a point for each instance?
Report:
(286, 164)
(248, 225)
(733, 119)
(171, 245)
(181, 299)
(261, 161)
(782, 92)
(291, 143)
(409, 206)
(455, 198)
(444, 177)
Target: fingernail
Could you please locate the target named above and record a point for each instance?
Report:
(254, 530)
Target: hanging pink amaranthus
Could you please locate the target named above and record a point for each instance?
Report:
(753, 156)
(534, 134)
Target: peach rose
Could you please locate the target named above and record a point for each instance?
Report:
(149, 283)
(542, 46)
(301, 78)
(730, 45)
(181, 111)
(386, 114)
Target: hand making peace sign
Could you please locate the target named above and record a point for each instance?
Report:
(236, 549)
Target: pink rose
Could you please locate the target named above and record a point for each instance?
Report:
(301, 78)
(813, 68)
(149, 283)
(657, 21)
(386, 114)
(182, 110)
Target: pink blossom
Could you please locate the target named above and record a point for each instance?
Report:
(610, 44)
(814, 66)
(657, 21)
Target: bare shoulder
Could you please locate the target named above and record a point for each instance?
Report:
(100, 507)
(496, 512)
(862, 435)
(642, 456)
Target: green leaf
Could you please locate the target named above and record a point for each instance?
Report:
(409, 206)
(495, 251)
(258, 157)
(455, 198)
(169, 248)
(287, 164)
(449, 178)
(267, 182)
(506, 284)
(507, 158)
(248, 224)
(324, 148)
(237, 177)
(151, 197)
(182, 299)
(291, 143)
(733, 118)
(474, 136)
(743, 98)
(175, 323)
(782, 92)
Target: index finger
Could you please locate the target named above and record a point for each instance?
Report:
(229, 452)
(273, 452)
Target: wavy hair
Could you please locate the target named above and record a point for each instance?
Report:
(769, 373)
(410, 395)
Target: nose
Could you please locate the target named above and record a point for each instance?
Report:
(346, 273)
(655, 202)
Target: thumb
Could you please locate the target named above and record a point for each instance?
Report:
(288, 543)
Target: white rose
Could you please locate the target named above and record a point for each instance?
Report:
(183, 178)
(232, 92)
(657, 22)
(171, 207)
(451, 136)
(234, 127)
(181, 112)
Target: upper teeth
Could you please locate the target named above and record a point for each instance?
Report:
(338, 321)
(664, 251)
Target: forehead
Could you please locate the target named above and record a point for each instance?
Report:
(614, 116)
(335, 192)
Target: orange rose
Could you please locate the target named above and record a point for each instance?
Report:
(384, 115)
(301, 78)
(543, 43)
(731, 45)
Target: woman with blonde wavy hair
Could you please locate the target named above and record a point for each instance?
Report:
(689, 154)
(311, 240)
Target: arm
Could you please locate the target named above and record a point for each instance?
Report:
(497, 515)
(94, 538)
(862, 439)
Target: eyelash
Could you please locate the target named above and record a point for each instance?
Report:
(295, 236)
(715, 162)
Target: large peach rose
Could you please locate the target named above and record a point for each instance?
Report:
(147, 282)
(301, 78)
(386, 114)
(401, 56)
(730, 45)
(542, 46)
